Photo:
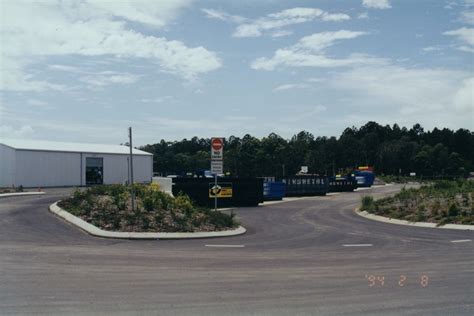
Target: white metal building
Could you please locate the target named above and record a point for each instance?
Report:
(33, 163)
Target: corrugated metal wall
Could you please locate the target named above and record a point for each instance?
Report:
(43, 168)
(116, 168)
(7, 166)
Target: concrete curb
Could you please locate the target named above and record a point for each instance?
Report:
(95, 231)
(383, 219)
(2, 195)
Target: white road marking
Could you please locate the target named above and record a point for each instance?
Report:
(358, 245)
(461, 240)
(226, 246)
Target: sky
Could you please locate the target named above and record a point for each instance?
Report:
(84, 71)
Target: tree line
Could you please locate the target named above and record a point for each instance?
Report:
(392, 150)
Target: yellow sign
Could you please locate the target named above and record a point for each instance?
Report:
(221, 190)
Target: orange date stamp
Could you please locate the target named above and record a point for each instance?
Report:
(402, 280)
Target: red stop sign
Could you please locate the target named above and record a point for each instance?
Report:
(217, 144)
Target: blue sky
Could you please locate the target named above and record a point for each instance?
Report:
(86, 70)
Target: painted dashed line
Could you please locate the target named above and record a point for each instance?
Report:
(461, 240)
(225, 246)
(357, 245)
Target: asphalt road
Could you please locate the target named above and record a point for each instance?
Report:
(307, 257)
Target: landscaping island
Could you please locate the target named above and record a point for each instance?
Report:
(442, 202)
(109, 207)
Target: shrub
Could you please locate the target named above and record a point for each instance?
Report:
(221, 220)
(465, 199)
(108, 207)
(368, 203)
(420, 214)
(453, 210)
(121, 199)
(184, 204)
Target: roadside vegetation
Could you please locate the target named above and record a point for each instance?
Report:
(109, 207)
(417, 179)
(12, 190)
(443, 202)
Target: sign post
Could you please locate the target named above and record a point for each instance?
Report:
(215, 188)
(217, 166)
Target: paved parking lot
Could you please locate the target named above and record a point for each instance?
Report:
(311, 256)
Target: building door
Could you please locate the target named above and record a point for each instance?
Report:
(94, 171)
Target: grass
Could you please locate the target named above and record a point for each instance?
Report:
(442, 202)
(109, 207)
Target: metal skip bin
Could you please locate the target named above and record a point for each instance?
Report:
(273, 191)
(230, 191)
(306, 185)
(342, 184)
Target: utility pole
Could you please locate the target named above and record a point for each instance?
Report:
(131, 168)
(128, 170)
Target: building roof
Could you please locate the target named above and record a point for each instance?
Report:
(40, 145)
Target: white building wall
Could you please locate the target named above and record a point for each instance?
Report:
(142, 168)
(46, 169)
(31, 168)
(116, 168)
(7, 166)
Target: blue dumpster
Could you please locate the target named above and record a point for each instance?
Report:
(364, 178)
(273, 191)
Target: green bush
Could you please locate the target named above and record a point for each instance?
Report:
(453, 210)
(221, 220)
(109, 207)
(420, 214)
(368, 203)
(442, 201)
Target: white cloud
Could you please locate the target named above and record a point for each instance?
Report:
(91, 29)
(435, 96)
(9, 131)
(240, 118)
(450, 5)
(466, 49)
(304, 113)
(431, 49)
(157, 100)
(37, 103)
(281, 33)
(467, 17)
(274, 21)
(223, 16)
(66, 68)
(289, 86)
(320, 41)
(376, 4)
(96, 79)
(363, 15)
(465, 35)
(155, 13)
(309, 52)
(464, 98)
(108, 78)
